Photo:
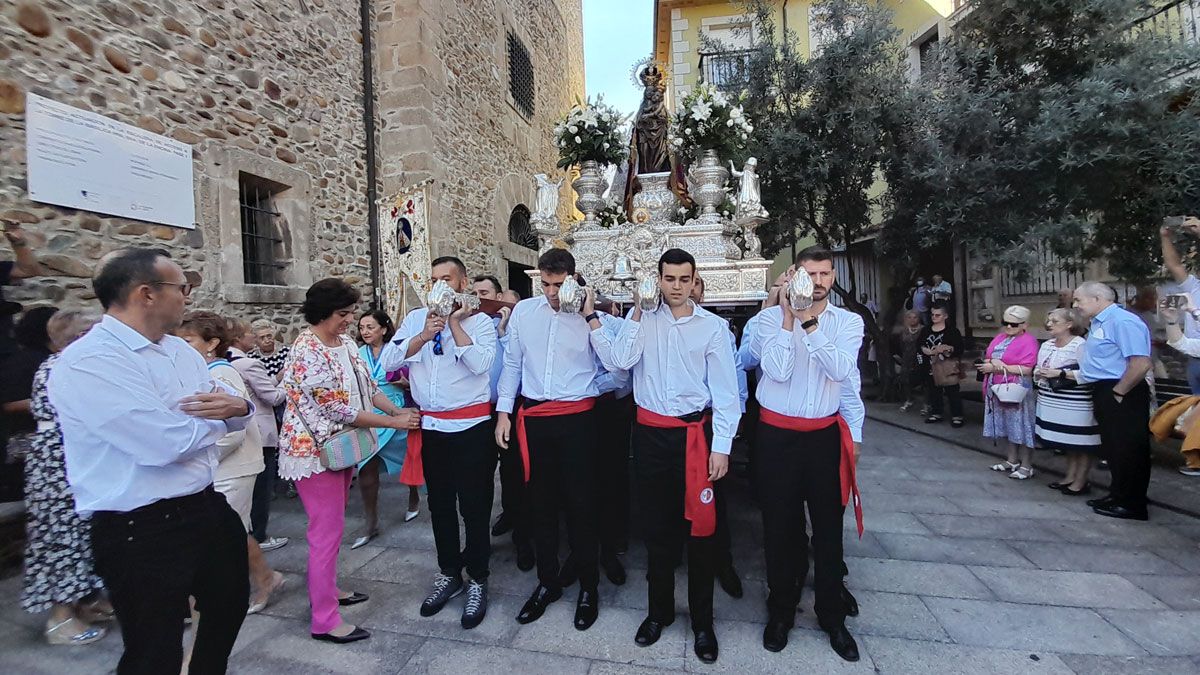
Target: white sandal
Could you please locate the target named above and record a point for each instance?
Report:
(1022, 473)
(1005, 466)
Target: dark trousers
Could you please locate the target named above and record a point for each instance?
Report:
(264, 489)
(152, 558)
(658, 456)
(793, 469)
(514, 494)
(615, 419)
(1125, 440)
(934, 396)
(562, 479)
(460, 470)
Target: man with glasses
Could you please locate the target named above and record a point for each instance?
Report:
(454, 453)
(141, 418)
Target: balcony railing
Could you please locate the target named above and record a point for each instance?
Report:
(726, 70)
(1175, 21)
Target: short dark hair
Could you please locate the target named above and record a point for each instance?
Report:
(326, 297)
(449, 259)
(123, 270)
(208, 326)
(556, 261)
(494, 281)
(676, 256)
(815, 254)
(940, 305)
(385, 322)
(30, 332)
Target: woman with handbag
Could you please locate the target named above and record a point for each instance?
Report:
(328, 428)
(1066, 419)
(941, 347)
(1009, 409)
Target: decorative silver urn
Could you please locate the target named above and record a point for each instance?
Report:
(709, 178)
(799, 290)
(570, 296)
(590, 186)
(442, 300)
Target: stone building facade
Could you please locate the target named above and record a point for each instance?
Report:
(270, 95)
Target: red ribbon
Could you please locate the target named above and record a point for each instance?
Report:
(699, 501)
(413, 472)
(547, 409)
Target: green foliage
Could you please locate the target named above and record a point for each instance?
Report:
(591, 131)
(709, 119)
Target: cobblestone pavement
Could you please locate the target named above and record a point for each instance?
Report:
(961, 570)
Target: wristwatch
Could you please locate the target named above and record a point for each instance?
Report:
(590, 317)
(809, 324)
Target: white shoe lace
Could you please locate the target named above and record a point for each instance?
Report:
(440, 583)
(474, 597)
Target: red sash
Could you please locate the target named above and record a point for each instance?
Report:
(413, 472)
(846, 466)
(699, 505)
(547, 409)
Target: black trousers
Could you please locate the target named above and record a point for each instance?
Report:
(615, 419)
(658, 456)
(1125, 440)
(153, 558)
(934, 393)
(264, 489)
(562, 480)
(460, 470)
(514, 494)
(793, 469)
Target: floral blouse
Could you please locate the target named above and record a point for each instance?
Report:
(318, 391)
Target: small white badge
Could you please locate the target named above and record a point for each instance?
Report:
(706, 496)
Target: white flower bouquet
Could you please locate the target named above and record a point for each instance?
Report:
(590, 132)
(709, 119)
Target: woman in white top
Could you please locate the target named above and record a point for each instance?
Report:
(241, 451)
(1065, 418)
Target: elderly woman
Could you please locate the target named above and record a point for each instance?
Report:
(329, 388)
(58, 556)
(241, 457)
(907, 341)
(1009, 360)
(1066, 419)
(267, 348)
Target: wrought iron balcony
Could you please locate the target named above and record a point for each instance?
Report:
(728, 71)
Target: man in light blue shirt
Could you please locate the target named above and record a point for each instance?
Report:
(140, 419)
(1115, 360)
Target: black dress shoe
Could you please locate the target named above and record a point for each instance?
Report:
(1057, 485)
(705, 644)
(568, 574)
(1123, 512)
(1086, 489)
(730, 583)
(613, 569)
(587, 608)
(849, 600)
(775, 635)
(649, 632)
(525, 557)
(536, 605)
(354, 636)
(843, 643)
(1102, 501)
(353, 599)
(503, 525)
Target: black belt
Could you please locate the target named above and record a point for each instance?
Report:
(163, 508)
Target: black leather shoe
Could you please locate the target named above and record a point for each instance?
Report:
(775, 635)
(705, 644)
(568, 574)
(503, 525)
(613, 569)
(353, 599)
(1118, 511)
(649, 632)
(730, 583)
(849, 600)
(1086, 489)
(587, 608)
(525, 557)
(843, 643)
(354, 636)
(536, 605)
(1102, 501)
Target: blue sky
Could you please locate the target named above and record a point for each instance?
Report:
(616, 33)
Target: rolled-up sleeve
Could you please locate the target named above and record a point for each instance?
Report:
(392, 356)
(478, 356)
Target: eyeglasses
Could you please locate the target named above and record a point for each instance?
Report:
(184, 288)
(1010, 324)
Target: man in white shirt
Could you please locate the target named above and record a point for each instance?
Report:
(450, 362)
(804, 452)
(141, 418)
(551, 360)
(685, 386)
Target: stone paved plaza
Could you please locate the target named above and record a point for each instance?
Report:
(961, 571)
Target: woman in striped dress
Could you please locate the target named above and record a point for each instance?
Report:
(1065, 417)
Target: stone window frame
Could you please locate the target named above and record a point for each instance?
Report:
(297, 223)
(930, 31)
(513, 190)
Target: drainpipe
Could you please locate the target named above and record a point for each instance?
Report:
(368, 81)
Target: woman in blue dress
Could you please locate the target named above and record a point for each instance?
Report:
(375, 329)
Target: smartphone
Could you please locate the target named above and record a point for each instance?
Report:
(1174, 222)
(1176, 300)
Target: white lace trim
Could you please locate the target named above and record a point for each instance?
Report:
(295, 468)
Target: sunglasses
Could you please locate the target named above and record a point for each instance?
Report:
(1010, 324)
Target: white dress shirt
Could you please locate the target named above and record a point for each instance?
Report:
(616, 381)
(498, 362)
(126, 441)
(682, 366)
(459, 377)
(551, 356)
(806, 373)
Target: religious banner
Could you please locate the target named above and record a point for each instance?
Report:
(404, 248)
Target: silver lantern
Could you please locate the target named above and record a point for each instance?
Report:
(570, 296)
(648, 293)
(799, 290)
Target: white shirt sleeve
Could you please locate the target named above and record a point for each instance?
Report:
(510, 377)
(723, 389)
(481, 353)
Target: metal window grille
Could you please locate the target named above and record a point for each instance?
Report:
(519, 230)
(261, 243)
(726, 70)
(520, 75)
(1048, 274)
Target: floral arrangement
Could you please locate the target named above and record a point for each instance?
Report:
(709, 119)
(726, 208)
(612, 215)
(590, 131)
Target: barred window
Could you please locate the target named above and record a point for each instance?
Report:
(519, 230)
(262, 245)
(520, 75)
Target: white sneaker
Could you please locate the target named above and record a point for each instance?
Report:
(1188, 471)
(273, 543)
